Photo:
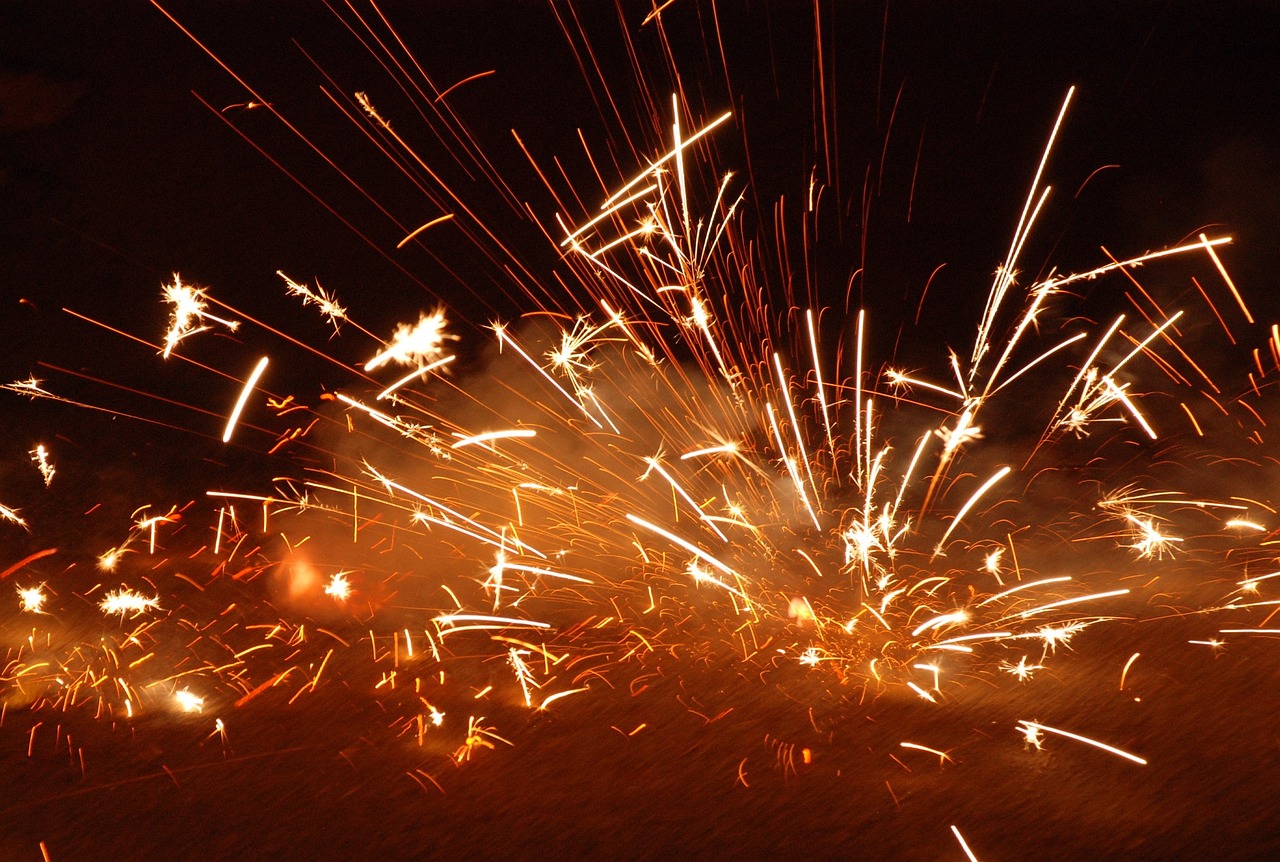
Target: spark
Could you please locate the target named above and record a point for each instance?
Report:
(44, 463)
(31, 599)
(189, 313)
(963, 844)
(813, 472)
(1125, 673)
(969, 504)
(8, 513)
(490, 436)
(1148, 540)
(245, 392)
(320, 298)
(478, 737)
(1077, 600)
(515, 657)
(451, 621)
(415, 233)
(1022, 670)
(188, 701)
(941, 621)
(339, 587)
(419, 344)
(126, 601)
(920, 691)
(1032, 730)
(941, 755)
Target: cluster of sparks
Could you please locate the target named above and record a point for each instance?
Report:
(655, 466)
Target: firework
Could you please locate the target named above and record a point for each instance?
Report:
(667, 458)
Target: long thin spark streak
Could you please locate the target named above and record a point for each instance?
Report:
(1031, 728)
(1208, 245)
(481, 533)
(691, 548)
(796, 430)
(969, 504)
(724, 449)
(939, 621)
(1075, 601)
(684, 144)
(1024, 586)
(538, 570)
(796, 480)
(245, 392)
(655, 465)
(452, 620)
(963, 844)
(857, 397)
(414, 233)
(490, 436)
(414, 375)
(503, 338)
(552, 698)
(941, 755)
(819, 386)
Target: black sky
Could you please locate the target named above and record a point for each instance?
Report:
(114, 175)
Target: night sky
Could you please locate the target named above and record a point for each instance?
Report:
(114, 174)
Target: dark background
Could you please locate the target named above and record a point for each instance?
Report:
(113, 176)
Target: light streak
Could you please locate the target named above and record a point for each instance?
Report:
(941, 755)
(1030, 728)
(245, 392)
(963, 844)
(969, 504)
(1073, 601)
(1125, 673)
(489, 436)
(416, 232)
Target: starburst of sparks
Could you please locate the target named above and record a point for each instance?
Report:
(126, 602)
(189, 313)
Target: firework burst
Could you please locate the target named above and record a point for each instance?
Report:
(667, 461)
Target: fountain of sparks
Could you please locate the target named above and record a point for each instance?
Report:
(673, 465)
